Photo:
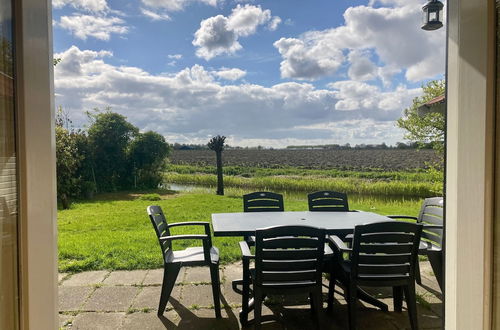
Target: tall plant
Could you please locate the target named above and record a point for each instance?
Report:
(217, 144)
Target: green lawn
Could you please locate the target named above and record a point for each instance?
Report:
(114, 232)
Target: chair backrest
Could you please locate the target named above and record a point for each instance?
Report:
(385, 252)
(160, 226)
(263, 201)
(289, 256)
(431, 213)
(328, 201)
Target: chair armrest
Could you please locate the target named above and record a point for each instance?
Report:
(178, 237)
(245, 250)
(432, 227)
(338, 245)
(192, 223)
(402, 217)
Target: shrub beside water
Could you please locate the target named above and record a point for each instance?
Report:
(309, 184)
(149, 197)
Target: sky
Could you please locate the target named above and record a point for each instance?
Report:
(270, 73)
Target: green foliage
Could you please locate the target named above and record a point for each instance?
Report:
(69, 159)
(109, 137)
(147, 153)
(150, 197)
(114, 232)
(66, 166)
(310, 184)
(428, 128)
(111, 156)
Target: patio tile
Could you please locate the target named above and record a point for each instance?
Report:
(61, 276)
(150, 321)
(232, 298)
(86, 278)
(197, 295)
(149, 297)
(111, 299)
(71, 298)
(232, 271)
(124, 277)
(101, 321)
(426, 319)
(155, 277)
(197, 275)
(65, 321)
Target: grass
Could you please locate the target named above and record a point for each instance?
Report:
(313, 183)
(113, 231)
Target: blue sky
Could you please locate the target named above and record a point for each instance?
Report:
(270, 73)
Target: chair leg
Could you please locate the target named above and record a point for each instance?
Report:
(352, 302)
(411, 302)
(312, 302)
(170, 273)
(331, 291)
(417, 272)
(245, 295)
(436, 260)
(397, 294)
(318, 306)
(214, 276)
(257, 307)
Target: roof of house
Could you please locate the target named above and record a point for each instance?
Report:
(439, 99)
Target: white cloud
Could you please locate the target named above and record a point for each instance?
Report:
(88, 5)
(214, 38)
(244, 20)
(176, 5)
(175, 56)
(392, 33)
(230, 74)
(303, 60)
(356, 95)
(155, 16)
(99, 27)
(191, 104)
(160, 9)
(362, 68)
(219, 35)
(273, 24)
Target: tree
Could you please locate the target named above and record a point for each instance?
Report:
(109, 137)
(428, 128)
(217, 144)
(147, 155)
(68, 159)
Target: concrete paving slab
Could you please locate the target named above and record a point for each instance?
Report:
(111, 299)
(149, 297)
(232, 298)
(86, 278)
(150, 321)
(197, 295)
(61, 276)
(205, 319)
(197, 275)
(231, 272)
(72, 298)
(65, 321)
(101, 321)
(124, 277)
(155, 277)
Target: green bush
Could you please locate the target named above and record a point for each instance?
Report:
(149, 197)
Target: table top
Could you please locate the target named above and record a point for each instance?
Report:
(335, 223)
